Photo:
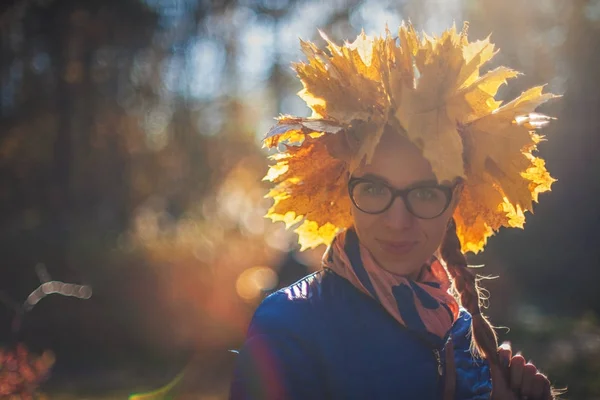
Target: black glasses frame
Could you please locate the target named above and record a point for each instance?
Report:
(448, 190)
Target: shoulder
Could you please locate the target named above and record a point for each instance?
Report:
(299, 306)
(278, 359)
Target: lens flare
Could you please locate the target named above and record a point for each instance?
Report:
(254, 281)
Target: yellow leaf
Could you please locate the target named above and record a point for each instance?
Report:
(369, 136)
(275, 171)
(434, 133)
(423, 109)
(526, 103)
(475, 55)
(345, 85)
(363, 47)
(498, 151)
(477, 99)
(311, 235)
(540, 179)
(311, 194)
(293, 130)
(494, 147)
(479, 213)
(431, 90)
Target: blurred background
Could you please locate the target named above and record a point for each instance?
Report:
(130, 161)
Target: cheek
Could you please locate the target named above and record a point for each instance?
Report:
(435, 230)
(364, 223)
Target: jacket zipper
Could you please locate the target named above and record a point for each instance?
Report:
(438, 359)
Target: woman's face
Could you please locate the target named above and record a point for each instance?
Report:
(399, 241)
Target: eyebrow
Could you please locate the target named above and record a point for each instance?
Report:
(378, 178)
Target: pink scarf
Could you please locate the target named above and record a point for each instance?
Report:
(424, 306)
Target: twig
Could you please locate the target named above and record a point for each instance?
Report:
(46, 287)
(49, 287)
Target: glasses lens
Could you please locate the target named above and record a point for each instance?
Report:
(371, 197)
(428, 202)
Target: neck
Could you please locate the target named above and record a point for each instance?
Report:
(412, 272)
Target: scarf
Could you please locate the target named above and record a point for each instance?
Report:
(424, 306)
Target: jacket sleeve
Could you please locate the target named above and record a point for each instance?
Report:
(473, 380)
(275, 362)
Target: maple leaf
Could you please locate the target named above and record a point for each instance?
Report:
(498, 152)
(344, 85)
(498, 145)
(432, 91)
(477, 214)
(422, 107)
(311, 195)
(293, 130)
(348, 85)
(449, 91)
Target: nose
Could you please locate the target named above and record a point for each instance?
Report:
(397, 216)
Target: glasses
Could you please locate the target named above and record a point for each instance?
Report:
(374, 197)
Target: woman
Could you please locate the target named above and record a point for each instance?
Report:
(406, 163)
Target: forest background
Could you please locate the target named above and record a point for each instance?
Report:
(131, 162)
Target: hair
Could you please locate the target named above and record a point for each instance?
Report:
(484, 341)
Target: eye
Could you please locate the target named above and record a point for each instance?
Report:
(373, 189)
(427, 194)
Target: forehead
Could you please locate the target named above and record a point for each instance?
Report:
(398, 161)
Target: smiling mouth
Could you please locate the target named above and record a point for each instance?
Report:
(397, 248)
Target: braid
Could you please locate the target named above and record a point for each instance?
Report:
(484, 339)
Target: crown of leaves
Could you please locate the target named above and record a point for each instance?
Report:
(428, 89)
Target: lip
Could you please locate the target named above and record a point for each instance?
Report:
(399, 248)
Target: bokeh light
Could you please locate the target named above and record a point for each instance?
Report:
(255, 281)
(131, 164)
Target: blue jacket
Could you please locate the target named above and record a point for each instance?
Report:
(321, 338)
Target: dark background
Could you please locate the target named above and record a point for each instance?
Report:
(130, 161)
